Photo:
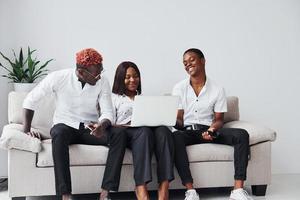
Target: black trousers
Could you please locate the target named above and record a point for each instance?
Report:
(164, 153)
(238, 138)
(142, 141)
(63, 136)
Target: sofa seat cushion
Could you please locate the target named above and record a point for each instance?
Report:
(209, 152)
(82, 155)
(257, 133)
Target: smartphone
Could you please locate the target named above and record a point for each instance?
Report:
(87, 127)
(214, 134)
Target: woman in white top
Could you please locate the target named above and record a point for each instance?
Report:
(142, 140)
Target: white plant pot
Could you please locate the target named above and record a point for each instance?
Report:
(24, 87)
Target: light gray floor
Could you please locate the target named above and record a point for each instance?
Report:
(283, 187)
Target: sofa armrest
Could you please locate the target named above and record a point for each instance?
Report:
(14, 138)
(23, 173)
(257, 133)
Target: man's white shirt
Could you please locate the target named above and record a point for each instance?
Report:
(74, 104)
(200, 109)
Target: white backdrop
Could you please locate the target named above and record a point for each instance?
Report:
(251, 47)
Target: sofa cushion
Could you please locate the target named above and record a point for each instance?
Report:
(257, 133)
(14, 138)
(209, 152)
(81, 155)
(43, 115)
(232, 113)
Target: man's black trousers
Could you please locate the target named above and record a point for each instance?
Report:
(238, 138)
(63, 136)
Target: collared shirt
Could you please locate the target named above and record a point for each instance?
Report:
(200, 109)
(74, 104)
(122, 108)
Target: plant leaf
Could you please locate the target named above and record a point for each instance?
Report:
(6, 58)
(24, 69)
(6, 68)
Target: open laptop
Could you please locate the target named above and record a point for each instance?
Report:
(154, 111)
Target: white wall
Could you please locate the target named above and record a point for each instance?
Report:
(4, 86)
(3, 121)
(251, 47)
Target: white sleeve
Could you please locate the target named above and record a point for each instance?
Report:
(114, 105)
(178, 92)
(221, 103)
(44, 88)
(105, 102)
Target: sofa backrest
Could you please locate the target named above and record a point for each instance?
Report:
(44, 112)
(233, 112)
(42, 116)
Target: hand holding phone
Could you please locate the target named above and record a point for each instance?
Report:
(206, 136)
(213, 134)
(90, 127)
(210, 135)
(96, 129)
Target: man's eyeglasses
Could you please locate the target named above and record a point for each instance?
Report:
(95, 77)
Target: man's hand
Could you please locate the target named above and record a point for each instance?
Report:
(27, 119)
(207, 136)
(96, 129)
(34, 134)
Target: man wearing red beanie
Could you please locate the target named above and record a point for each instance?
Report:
(82, 96)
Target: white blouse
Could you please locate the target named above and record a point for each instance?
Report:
(122, 109)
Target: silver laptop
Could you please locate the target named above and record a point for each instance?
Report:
(154, 111)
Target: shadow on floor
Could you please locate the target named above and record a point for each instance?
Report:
(3, 184)
(174, 195)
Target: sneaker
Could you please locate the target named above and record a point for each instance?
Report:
(191, 195)
(239, 194)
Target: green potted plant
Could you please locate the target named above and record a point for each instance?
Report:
(23, 72)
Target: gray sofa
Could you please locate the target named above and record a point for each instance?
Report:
(31, 170)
